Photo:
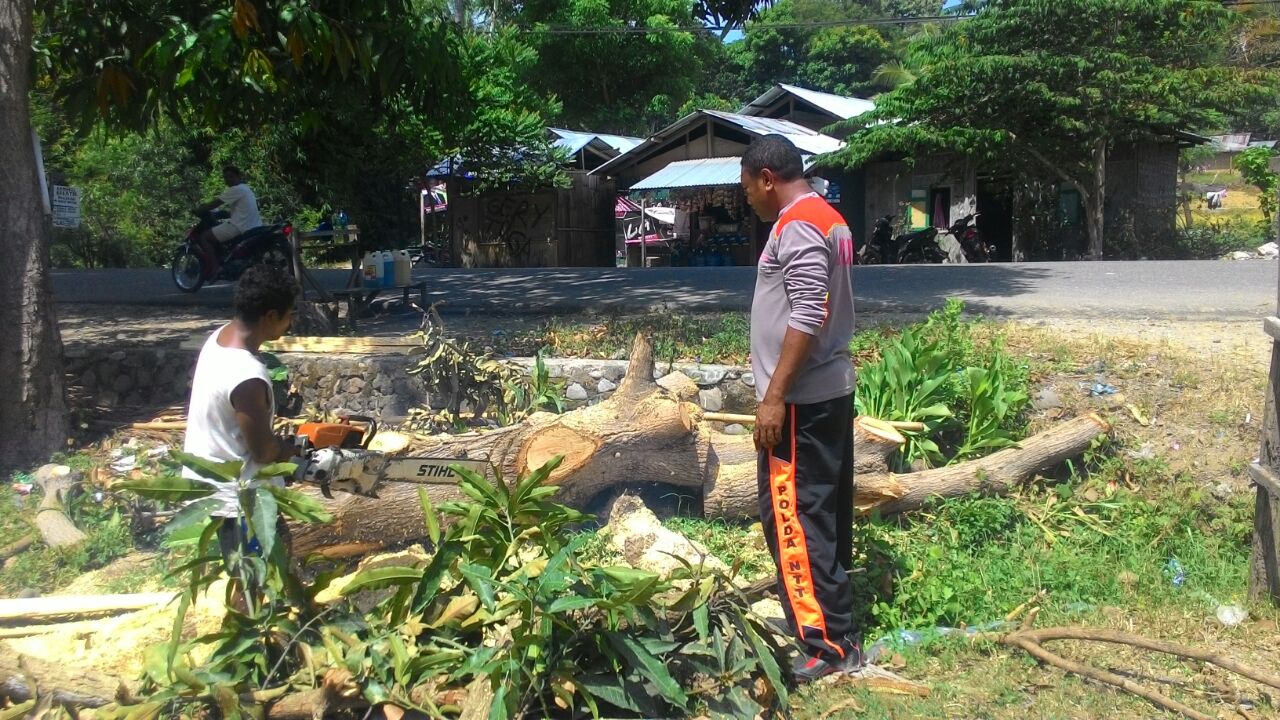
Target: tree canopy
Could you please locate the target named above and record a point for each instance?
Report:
(1033, 86)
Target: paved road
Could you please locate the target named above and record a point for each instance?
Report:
(1205, 290)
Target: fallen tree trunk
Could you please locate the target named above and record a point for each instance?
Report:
(51, 519)
(643, 434)
(59, 608)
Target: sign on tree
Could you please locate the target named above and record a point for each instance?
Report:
(66, 206)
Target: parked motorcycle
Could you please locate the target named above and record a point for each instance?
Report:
(965, 230)
(881, 244)
(917, 246)
(198, 261)
(924, 245)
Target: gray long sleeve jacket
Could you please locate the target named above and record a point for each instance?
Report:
(804, 282)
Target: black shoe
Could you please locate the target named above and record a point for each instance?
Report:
(808, 668)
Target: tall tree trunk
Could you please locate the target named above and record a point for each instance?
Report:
(1094, 200)
(34, 411)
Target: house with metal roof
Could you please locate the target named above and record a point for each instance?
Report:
(587, 150)
(694, 166)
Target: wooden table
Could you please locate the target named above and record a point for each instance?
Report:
(327, 240)
(358, 299)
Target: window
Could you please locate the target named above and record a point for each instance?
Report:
(1069, 207)
(918, 209)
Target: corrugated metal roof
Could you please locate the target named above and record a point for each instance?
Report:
(621, 143)
(807, 140)
(837, 106)
(610, 145)
(706, 172)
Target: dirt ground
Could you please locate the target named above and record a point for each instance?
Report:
(108, 324)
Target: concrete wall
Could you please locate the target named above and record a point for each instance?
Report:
(888, 187)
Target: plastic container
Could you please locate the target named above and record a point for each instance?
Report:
(404, 268)
(372, 269)
(388, 268)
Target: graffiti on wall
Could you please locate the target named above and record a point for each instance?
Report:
(508, 230)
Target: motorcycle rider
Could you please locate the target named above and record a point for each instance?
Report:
(241, 203)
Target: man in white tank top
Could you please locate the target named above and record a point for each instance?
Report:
(232, 406)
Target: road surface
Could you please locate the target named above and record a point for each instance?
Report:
(1204, 290)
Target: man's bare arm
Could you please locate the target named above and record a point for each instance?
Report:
(210, 206)
(252, 402)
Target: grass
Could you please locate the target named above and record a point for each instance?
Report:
(677, 337)
(43, 569)
(1097, 536)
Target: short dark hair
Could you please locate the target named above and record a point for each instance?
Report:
(263, 288)
(776, 153)
(231, 169)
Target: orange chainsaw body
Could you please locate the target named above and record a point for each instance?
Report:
(341, 434)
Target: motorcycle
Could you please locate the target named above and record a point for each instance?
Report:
(923, 245)
(881, 245)
(917, 246)
(965, 230)
(920, 246)
(198, 261)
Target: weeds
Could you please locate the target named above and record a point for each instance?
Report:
(505, 603)
(970, 398)
(41, 568)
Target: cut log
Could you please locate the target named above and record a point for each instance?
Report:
(644, 434)
(51, 520)
(58, 608)
(17, 546)
(1000, 472)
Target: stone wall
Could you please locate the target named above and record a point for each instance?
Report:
(369, 384)
(131, 376)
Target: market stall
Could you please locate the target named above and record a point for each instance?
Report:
(702, 203)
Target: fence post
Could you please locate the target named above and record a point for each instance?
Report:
(1264, 572)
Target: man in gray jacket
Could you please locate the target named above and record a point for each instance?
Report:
(801, 325)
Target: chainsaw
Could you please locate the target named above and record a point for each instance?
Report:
(338, 457)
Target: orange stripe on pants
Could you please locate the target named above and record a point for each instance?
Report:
(793, 552)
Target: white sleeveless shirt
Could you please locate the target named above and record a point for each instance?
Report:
(212, 430)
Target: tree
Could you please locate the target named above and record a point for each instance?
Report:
(206, 61)
(614, 81)
(34, 413)
(839, 58)
(1036, 87)
(1254, 165)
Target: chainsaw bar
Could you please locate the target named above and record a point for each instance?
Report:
(361, 471)
(429, 471)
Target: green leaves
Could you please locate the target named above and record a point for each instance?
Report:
(651, 668)
(505, 600)
(970, 405)
(298, 506)
(167, 488)
(263, 518)
(383, 577)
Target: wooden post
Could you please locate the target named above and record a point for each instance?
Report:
(644, 243)
(1264, 571)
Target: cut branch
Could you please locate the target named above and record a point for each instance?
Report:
(1168, 648)
(1035, 650)
(51, 519)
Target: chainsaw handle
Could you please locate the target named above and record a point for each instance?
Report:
(368, 434)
